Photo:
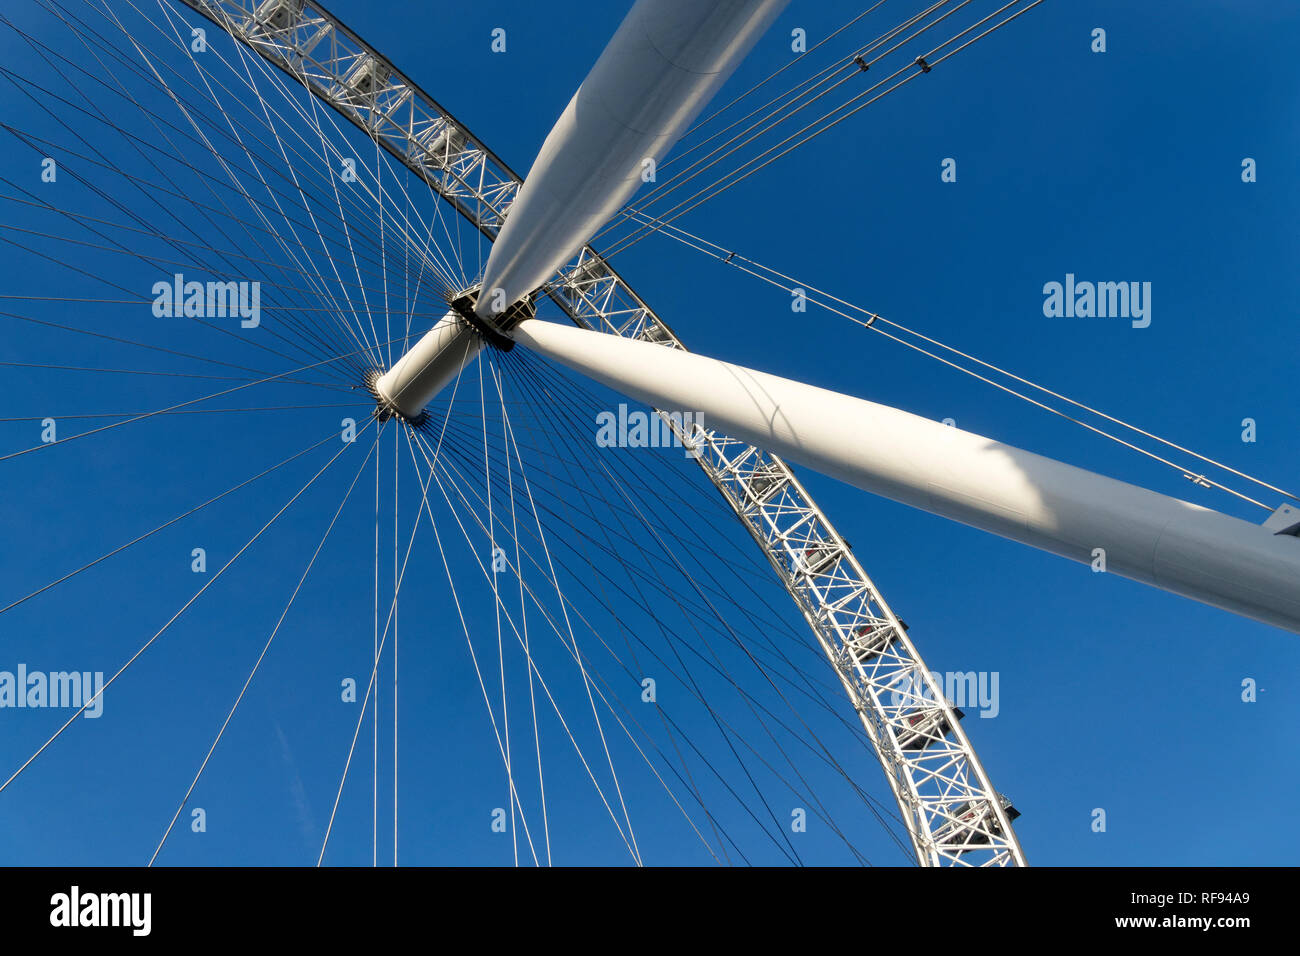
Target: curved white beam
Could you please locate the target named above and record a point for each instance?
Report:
(664, 64)
(1149, 537)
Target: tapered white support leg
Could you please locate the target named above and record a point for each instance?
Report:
(658, 71)
(1141, 534)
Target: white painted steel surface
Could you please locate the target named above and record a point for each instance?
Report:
(657, 73)
(1146, 536)
(429, 365)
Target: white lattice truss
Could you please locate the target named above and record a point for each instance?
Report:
(951, 811)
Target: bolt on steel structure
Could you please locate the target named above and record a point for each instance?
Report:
(951, 811)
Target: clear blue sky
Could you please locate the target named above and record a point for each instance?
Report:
(1123, 165)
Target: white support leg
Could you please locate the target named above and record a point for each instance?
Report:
(1143, 535)
(661, 68)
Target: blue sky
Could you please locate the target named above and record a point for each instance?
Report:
(1123, 165)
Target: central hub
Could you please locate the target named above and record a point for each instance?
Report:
(385, 409)
(439, 357)
(494, 327)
